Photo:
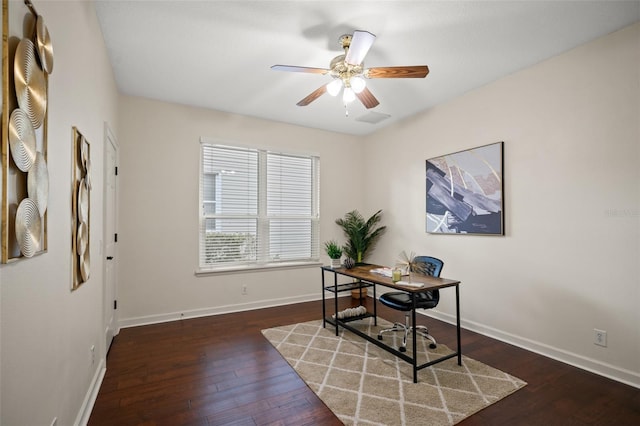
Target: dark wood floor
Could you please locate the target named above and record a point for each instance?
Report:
(219, 370)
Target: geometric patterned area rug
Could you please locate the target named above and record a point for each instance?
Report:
(365, 385)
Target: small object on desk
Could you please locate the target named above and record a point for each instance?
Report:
(408, 284)
(396, 275)
(349, 263)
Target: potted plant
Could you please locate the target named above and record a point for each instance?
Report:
(334, 251)
(362, 236)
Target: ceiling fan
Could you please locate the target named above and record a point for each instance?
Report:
(348, 72)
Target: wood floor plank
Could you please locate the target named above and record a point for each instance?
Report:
(219, 370)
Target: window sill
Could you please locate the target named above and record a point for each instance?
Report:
(258, 268)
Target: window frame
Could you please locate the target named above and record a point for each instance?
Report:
(262, 218)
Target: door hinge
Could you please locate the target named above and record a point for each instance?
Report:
(115, 304)
(116, 170)
(115, 237)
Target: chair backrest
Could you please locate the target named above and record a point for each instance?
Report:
(429, 265)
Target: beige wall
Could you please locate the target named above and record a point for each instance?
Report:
(569, 260)
(159, 166)
(46, 330)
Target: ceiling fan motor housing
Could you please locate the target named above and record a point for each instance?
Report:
(344, 71)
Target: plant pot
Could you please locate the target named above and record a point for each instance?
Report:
(355, 294)
(335, 263)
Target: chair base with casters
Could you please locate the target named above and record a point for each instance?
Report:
(402, 301)
(407, 329)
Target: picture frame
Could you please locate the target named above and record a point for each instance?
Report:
(24, 180)
(80, 210)
(465, 192)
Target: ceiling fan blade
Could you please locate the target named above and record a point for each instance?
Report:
(367, 98)
(416, 71)
(361, 42)
(313, 96)
(292, 68)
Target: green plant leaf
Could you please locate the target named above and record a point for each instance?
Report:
(333, 249)
(360, 233)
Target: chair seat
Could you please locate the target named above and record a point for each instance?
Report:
(402, 301)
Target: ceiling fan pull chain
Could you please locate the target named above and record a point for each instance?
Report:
(346, 110)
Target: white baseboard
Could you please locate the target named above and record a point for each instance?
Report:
(603, 369)
(90, 398)
(196, 313)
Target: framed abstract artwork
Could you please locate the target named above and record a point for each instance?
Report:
(465, 192)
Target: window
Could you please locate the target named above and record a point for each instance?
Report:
(257, 208)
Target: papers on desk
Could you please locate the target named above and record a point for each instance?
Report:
(387, 272)
(382, 271)
(408, 284)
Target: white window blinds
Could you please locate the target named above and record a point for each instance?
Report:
(257, 207)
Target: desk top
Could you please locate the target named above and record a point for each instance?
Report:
(363, 272)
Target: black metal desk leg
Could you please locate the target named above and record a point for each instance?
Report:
(413, 332)
(335, 299)
(324, 309)
(458, 323)
(375, 306)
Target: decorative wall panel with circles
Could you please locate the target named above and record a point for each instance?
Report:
(80, 237)
(25, 176)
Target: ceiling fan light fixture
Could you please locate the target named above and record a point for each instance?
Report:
(357, 83)
(348, 95)
(348, 72)
(333, 88)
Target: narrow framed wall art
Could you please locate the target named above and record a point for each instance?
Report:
(80, 210)
(464, 192)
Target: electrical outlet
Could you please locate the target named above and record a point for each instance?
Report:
(600, 337)
(244, 289)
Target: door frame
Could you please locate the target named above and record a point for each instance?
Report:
(109, 140)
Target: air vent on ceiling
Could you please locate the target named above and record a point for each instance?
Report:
(373, 117)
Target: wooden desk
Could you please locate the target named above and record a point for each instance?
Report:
(366, 278)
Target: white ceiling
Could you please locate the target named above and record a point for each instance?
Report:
(218, 54)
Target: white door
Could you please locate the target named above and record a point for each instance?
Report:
(110, 236)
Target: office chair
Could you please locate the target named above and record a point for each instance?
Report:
(401, 301)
